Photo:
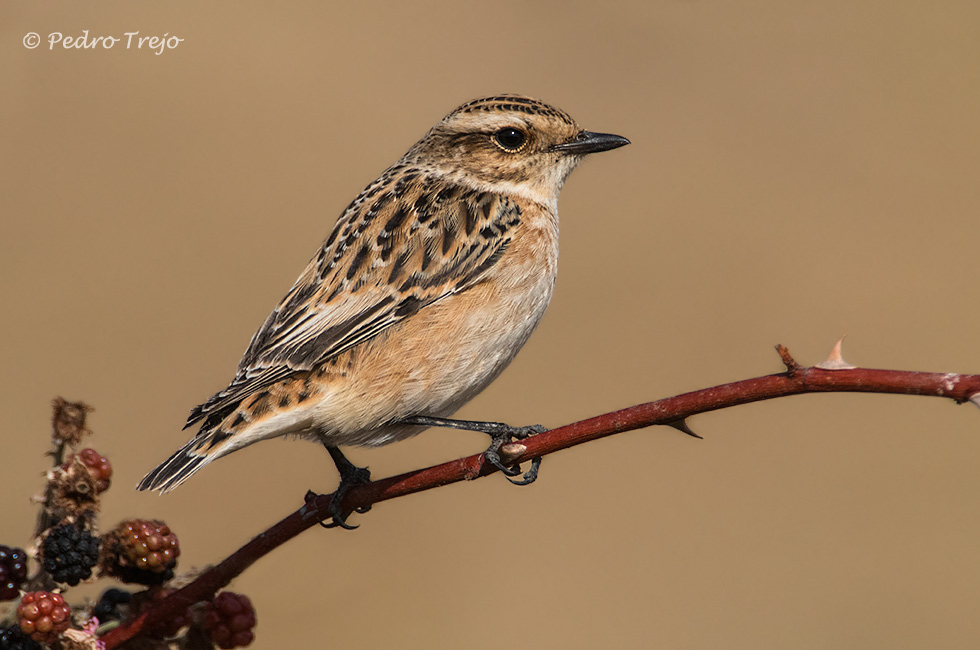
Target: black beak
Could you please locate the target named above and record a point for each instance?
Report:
(589, 142)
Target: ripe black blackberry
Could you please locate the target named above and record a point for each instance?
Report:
(69, 553)
(11, 638)
(13, 571)
(107, 609)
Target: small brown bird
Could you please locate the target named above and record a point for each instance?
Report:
(431, 281)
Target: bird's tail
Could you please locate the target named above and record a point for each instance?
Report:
(201, 450)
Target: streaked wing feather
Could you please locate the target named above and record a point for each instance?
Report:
(407, 241)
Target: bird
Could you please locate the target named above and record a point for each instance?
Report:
(430, 282)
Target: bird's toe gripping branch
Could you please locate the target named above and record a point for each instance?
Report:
(502, 451)
(350, 476)
(501, 436)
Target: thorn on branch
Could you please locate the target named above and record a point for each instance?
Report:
(681, 425)
(791, 366)
(835, 361)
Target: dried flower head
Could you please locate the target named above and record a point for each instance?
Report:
(73, 489)
(68, 420)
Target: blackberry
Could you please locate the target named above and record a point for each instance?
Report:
(97, 465)
(229, 619)
(69, 553)
(107, 609)
(11, 638)
(43, 615)
(140, 551)
(13, 571)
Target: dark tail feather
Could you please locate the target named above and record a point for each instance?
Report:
(179, 467)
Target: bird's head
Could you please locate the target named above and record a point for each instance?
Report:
(512, 144)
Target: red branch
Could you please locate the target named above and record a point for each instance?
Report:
(671, 411)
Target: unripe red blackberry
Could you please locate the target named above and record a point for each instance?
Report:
(229, 619)
(13, 571)
(43, 615)
(11, 638)
(69, 553)
(144, 600)
(140, 551)
(98, 467)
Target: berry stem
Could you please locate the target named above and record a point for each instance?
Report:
(45, 520)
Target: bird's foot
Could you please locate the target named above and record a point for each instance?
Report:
(350, 476)
(500, 434)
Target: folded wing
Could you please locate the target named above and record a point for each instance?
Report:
(401, 246)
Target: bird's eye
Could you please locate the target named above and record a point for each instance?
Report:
(510, 138)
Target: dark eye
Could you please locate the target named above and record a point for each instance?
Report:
(510, 138)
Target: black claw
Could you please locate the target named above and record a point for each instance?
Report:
(339, 521)
(337, 515)
(531, 475)
(494, 459)
(336, 510)
(493, 456)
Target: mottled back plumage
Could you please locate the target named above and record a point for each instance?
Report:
(472, 205)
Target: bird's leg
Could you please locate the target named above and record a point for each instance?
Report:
(350, 476)
(500, 434)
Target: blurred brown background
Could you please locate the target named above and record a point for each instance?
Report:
(797, 173)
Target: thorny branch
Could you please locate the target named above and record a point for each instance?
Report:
(833, 375)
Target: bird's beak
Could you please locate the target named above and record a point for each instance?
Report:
(589, 142)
